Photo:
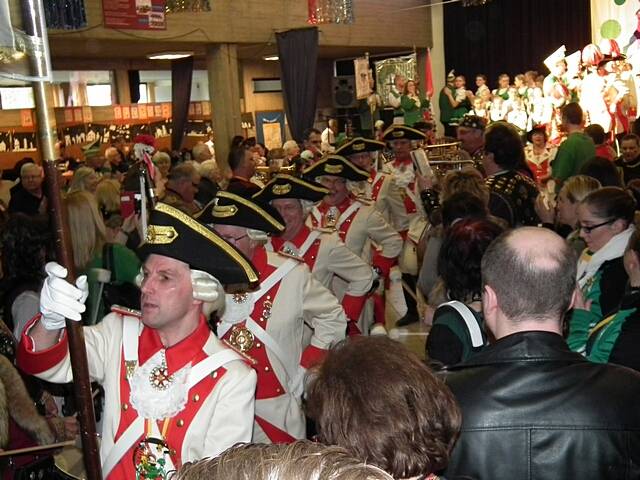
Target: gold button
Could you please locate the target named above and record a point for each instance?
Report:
(125, 407)
(196, 398)
(180, 422)
(214, 374)
(172, 452)
(258, 345)
(267, 369)
(278, 390)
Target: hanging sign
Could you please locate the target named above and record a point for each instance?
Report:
(134, 14)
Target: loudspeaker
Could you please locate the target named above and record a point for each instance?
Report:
(344, 92)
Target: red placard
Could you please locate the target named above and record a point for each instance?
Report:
(117, 112)
(157, 111)
(68, 115)
(150, 113)
(166, 110)
(77, 115)
(142, 111)
(26, 119)
(192, 109)
(126, 112)
(206, 108)
(134, 111)
(134, 14)
(198, 106)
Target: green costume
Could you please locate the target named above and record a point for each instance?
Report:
(413, 111)
(574, 152)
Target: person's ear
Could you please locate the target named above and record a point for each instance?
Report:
(490, 307)
(619, 226)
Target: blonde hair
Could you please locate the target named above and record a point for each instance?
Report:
(80, 178)
(108, 195)
(301, 460)
(465, 180)
(88, 233)
(577, 188)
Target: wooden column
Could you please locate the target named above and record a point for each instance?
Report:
(122, 87)
(224, 92)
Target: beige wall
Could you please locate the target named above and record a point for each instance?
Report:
(256, 21)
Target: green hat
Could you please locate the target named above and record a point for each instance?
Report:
(227, 208)
(359, 145)
(91, 150)
(172, 233)
(337, 166)
(288, 186)
(402, 132)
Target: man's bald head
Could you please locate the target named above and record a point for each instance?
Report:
(532, 272)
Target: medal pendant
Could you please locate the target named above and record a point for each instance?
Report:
(160, 378)
(242, 339)
(150, 459)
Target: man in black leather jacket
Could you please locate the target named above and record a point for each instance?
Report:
(532, 409)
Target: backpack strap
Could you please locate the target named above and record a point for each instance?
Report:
(470, 321)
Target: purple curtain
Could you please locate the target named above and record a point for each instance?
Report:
(298, 52)
(181, 75)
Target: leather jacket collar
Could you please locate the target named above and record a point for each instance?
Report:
(523, 347)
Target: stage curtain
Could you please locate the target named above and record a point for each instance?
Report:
(298, 52)
(509, 36)
(181, 75)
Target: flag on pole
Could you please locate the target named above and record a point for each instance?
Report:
(428, 75)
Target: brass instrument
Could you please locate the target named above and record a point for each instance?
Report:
(267, 173)
(446, 156)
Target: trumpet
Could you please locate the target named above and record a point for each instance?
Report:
(446, 156)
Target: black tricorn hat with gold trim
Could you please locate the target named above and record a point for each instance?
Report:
(402, 132)
(337, 166)
(172, 233)
(288, 186)
(227, 208)
(359, 145)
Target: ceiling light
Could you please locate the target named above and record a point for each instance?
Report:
(271, 58)
(169, 55)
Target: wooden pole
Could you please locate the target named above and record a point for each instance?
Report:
(34, 25)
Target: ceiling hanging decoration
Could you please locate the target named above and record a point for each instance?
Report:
(65, 14)
(474, 3)
(177, 6)
(330, 11)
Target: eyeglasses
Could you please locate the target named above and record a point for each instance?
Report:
(234, 239)
(591, 228)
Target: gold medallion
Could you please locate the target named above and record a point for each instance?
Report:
(160, 378)
(241, 338)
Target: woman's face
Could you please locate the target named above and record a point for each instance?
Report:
(538, 139)
(480, 81)
(503, 82)
(567, 210)
(411, 87)
(595, 230)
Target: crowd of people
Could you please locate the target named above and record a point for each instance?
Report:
(249, 302)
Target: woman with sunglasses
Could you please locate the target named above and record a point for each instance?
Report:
(605, 221)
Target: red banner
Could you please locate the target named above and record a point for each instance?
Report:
(134, 14)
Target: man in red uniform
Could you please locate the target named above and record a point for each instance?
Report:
(173, 391)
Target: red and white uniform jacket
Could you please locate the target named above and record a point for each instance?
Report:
(219, 409)
(378, 190)
(328, 258)
(268, 325)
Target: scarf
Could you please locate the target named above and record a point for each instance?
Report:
(614, 248)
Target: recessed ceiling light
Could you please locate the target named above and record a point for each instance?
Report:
(169, 55)
(271, 58)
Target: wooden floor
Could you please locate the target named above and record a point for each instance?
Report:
(413, 336)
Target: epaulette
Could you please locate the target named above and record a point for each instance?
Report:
(290, 255)
(130, 312)
(250, 360)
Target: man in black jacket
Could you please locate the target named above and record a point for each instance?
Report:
(532, 409)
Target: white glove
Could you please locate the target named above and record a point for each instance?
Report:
(299, 382)
(60, 299)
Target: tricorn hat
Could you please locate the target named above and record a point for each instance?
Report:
(337, 166)
(402, 132)
(359, 145)
(288, 186)
(91, 150)
(227, 208)
(175, 234)
(473, 121)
